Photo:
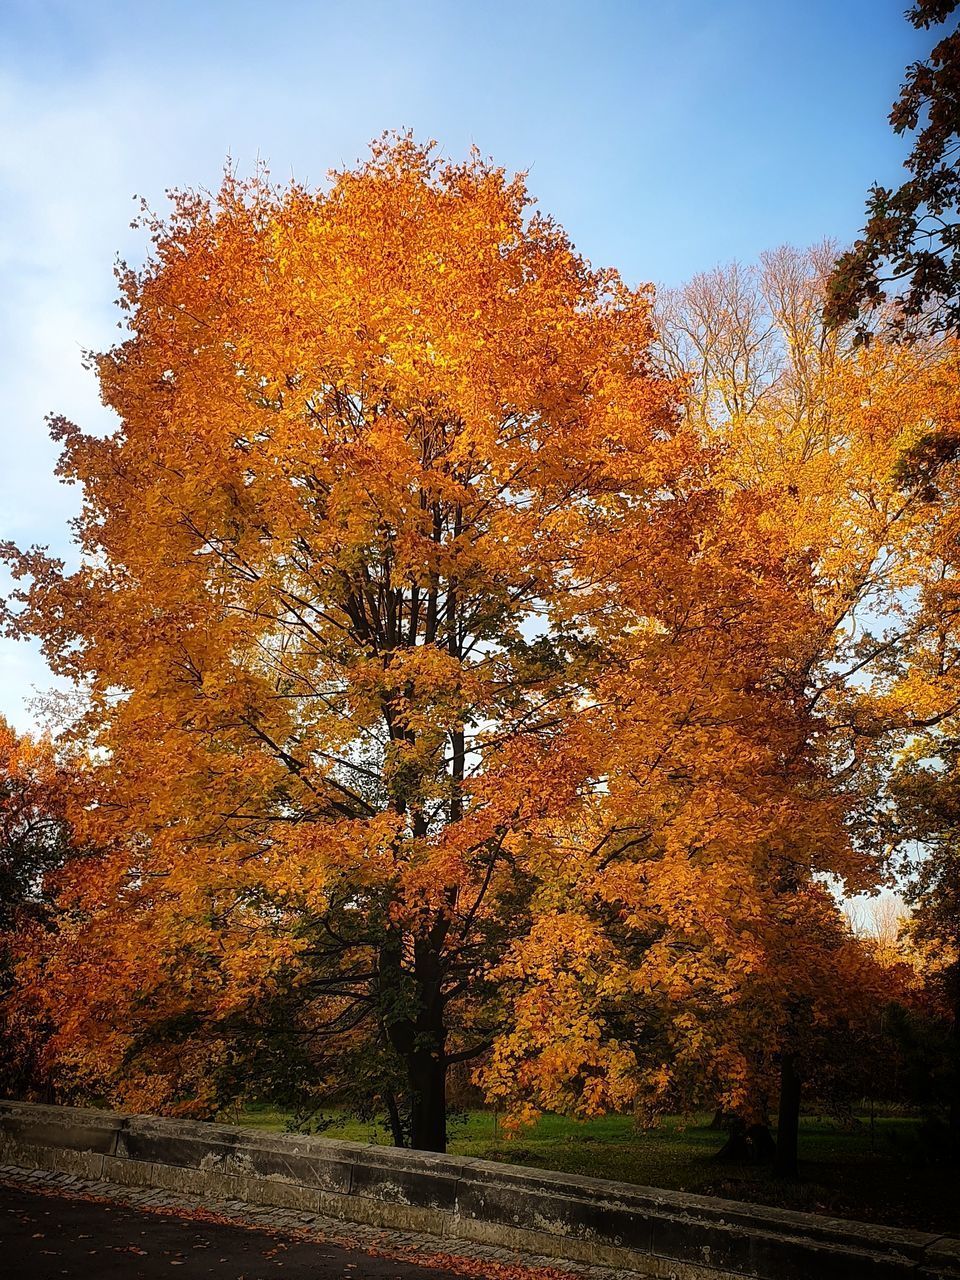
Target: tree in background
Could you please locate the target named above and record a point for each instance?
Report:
(927, 812)
(35, 842)
(802, 650)
(682, 946)
(912, 234)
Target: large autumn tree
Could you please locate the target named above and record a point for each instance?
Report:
(374, 446)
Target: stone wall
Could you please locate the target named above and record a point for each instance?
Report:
(655, 1233)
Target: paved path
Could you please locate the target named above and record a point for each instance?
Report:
(45, 1236)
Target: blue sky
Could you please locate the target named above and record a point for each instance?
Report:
(665, 136)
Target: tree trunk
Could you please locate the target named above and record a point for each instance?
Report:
(788, 1118)
(396, 1124)
(427, 1074)
(953, 1064)
(763, 1149)
(418, 1034)
(953, 1097)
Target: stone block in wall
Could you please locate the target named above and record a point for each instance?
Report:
(62, 1128)
(420, 1179)
(192, 1145)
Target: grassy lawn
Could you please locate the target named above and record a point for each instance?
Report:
(845, 1171)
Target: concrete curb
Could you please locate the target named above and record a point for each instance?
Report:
(584, 1220)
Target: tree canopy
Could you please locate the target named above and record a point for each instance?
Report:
(374, 443)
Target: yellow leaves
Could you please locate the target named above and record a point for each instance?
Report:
(556, 1055)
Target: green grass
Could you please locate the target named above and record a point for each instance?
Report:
(853, 1171)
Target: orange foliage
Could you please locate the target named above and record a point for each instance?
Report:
(754, 690)
(373, 442)
(460, 682)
